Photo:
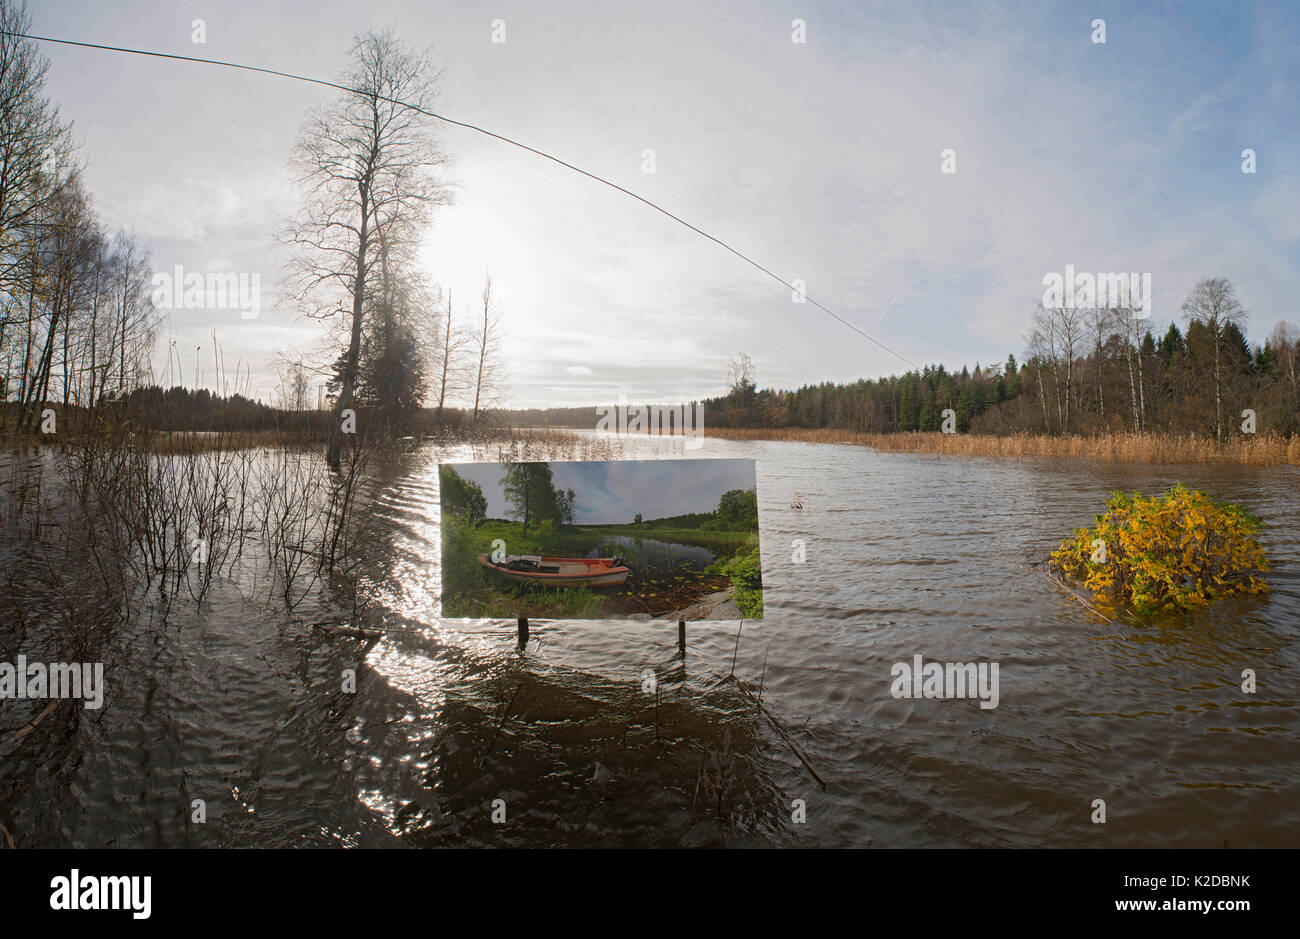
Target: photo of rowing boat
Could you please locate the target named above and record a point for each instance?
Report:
(559, 572)
(616, 539)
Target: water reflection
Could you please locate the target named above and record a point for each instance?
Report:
(651, 559)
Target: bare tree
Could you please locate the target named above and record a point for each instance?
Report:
(740, 375)
(34, 142)
(295, 382)
(1285, 340)
(487, 348)
(1129, 322)
(1057, 337)
(135, 318)
(1099, 324)
(1213, 302)
(35, 155)
(448, 351)
(1041, 345)
(66, 240)
(368, 163)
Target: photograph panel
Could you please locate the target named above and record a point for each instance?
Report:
(637, 539)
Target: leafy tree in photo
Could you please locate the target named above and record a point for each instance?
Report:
(564, 506)
(461, 497)
(737, 511)
(530, 490)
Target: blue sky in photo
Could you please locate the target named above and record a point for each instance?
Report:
(613, 492)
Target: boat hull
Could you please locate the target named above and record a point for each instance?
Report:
(564, 572)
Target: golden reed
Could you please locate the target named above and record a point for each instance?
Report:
(1263, 450)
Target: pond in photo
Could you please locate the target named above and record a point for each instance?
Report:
(607, 539)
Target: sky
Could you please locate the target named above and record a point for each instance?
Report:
(613, 492)
(820, 160)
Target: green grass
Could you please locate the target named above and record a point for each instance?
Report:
(468, 590)
(540, 539)
(510, 602)
(578, 540)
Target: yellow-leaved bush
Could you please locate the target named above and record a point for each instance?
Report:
(1165, 554)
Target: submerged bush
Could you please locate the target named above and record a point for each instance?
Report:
(1166, 554)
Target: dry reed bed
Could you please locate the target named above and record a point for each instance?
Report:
(1263, 450)
(544, 444)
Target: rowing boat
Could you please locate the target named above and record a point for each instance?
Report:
(559, 572)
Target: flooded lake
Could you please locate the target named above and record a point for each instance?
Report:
(598, 734)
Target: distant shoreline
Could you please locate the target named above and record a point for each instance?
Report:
(1262, 450)
(1150, 448)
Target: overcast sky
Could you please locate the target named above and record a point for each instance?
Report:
(820, 160)
(613, 492)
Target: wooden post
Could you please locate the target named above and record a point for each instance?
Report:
(523, 630)
(681, 637)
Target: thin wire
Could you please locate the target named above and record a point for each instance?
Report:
(481, 130)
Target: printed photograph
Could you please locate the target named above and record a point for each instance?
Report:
(674, 539)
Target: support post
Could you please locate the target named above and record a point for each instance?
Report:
(681, 637)
(523, 630)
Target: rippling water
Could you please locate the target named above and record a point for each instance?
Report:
(240, 705)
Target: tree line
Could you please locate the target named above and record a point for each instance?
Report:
(1086, 371)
